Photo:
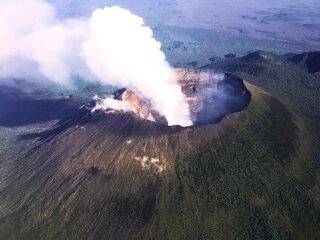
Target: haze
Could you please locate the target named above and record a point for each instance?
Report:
(198, 29)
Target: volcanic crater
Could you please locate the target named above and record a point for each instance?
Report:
(105, 169)
(211, 96)
(107, 140)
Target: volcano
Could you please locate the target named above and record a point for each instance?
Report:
(105, 174)
(210, 95)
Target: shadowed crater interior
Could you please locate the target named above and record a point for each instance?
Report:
(212, 96)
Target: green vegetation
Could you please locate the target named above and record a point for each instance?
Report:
(247, 185)
(255, 175)
(250, 183)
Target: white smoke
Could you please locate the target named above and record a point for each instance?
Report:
(35, 44)
(122, 50)
(110, 103)
(114, 45)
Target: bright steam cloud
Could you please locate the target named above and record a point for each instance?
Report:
(36, 45)
(123, 50)
(113, 45)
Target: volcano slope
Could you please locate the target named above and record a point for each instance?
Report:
(113, 176)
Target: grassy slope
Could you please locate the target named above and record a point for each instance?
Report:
(294, 86)
(250, 183)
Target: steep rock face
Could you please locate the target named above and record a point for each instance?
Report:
(139, 105)
(212, 95)
(143, 110)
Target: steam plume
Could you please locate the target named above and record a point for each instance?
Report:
(36, 45)
(113, 45)
(122, 50)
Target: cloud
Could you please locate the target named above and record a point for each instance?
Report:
(114, 47)
(35, 44)
(123, 51)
